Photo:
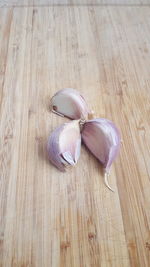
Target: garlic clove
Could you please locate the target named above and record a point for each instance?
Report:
(64, 145)
(78, 149)
(102, 138)
(69, 103)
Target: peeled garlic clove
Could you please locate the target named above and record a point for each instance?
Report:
(103, 139)
(64, 145)
(69, 103)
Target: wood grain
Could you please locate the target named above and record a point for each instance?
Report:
(24, 3)
(48, 218)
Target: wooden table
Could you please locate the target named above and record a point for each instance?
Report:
(49, 218)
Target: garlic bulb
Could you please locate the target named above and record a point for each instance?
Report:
(103, 139)
(69, 103)
(64, 145)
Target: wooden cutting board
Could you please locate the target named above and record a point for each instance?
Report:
(49, 218)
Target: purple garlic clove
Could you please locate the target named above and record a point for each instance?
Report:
(69, 103)
(102, 138)
(64, 145)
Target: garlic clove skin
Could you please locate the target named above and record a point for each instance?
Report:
(69, 103)
(64, 145)
(68, 157)
(102, 138)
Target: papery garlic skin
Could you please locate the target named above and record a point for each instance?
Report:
(69, 103)
(64, 145)
(102, 138)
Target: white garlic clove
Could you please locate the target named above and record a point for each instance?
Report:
(102, 138)
(69, 103)
(64, 145)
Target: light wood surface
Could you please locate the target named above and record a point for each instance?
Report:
(27, 3)
(52, 219)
